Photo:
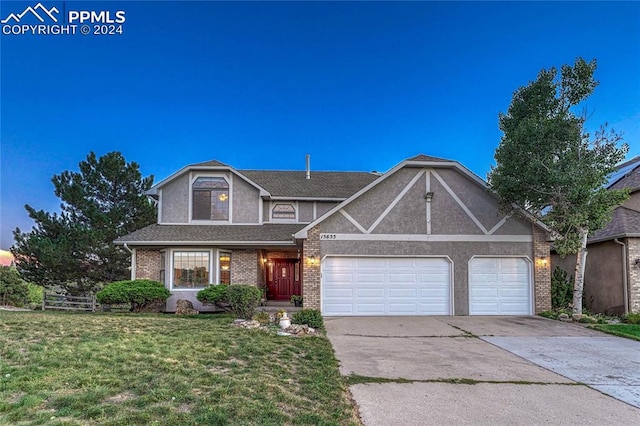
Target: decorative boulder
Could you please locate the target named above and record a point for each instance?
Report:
(185, 307)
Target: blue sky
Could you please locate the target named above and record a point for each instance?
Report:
(359, 86)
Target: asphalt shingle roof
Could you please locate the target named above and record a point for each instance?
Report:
(624, 222)
(627, 175)
(422, 157)
(210, 233)
(320, 185)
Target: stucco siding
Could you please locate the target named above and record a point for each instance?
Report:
(368, 207)
(305, 211)
(603, 288)
(633, 202)
(175, 201)
(409, 215)
(322, 207)
(447, 216)
(246, 202)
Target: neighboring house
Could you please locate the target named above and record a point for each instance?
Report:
(425, 238)
(612, 274)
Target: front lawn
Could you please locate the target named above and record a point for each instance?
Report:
(81, 369)
(631, 331)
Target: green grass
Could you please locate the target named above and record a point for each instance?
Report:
(123, 369)
(630, 331)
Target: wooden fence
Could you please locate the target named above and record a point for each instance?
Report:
(68, 303)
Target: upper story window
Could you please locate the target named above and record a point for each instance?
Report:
(210, 198)
(283, 211)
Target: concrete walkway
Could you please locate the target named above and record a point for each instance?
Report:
(522, 369)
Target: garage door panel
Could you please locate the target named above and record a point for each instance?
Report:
(340, 293)
(387, 286)
(499, 286)
(370, 292)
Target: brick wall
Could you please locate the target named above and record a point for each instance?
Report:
(245, 267)
(633, 253)
(541, 269)
(148, 264)
(311, 272)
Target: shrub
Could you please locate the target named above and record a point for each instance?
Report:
(561, 288)
(262, 317)
(632, 318)
(143, 295)
(36, 293)
(243, 299)
(310, 317)
(213, 294)
(13, 289)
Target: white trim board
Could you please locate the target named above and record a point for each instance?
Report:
(428, 237)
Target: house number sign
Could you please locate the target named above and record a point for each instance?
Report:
(328, 236)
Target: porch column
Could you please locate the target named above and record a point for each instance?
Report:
(311, 272)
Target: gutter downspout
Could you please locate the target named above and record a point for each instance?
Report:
(133, 261)
(625, 282)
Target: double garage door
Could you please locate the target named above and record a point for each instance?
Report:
(375, 286)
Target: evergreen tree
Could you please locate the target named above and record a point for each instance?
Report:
(74, 249)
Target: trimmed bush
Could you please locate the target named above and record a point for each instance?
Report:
(310, 317)
(36, 293)
(214, 294)
(13, 289)
(243, 299)
(143, 295)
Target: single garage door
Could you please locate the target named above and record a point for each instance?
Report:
(499, 286)
(376, 286)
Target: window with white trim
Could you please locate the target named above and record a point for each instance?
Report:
(210, 198)
(283, 212)
(191, 269)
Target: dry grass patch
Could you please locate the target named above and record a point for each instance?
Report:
(122, 369)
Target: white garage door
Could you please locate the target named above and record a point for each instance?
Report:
(376, 286)
(499, 286)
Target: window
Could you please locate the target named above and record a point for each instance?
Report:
(190, 269)
(283, 211)
(224, 260)
(210, 199)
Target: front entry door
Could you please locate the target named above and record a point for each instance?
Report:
(283, 279)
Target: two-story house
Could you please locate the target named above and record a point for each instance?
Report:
(424, 238)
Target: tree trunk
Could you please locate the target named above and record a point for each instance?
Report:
(578, 283)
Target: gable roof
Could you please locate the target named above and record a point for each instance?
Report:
(624, 223)
(325, 185)
(420, 160)
(627, 175)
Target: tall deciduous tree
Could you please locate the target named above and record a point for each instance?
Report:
(74, 249)
(548, 164)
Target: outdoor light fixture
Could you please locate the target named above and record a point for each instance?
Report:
(312, 260)
(428, 196)
(223, 197)
(542, 260)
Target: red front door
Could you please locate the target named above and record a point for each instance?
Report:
(283, 278)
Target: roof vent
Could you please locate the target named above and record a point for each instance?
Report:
(308, 166)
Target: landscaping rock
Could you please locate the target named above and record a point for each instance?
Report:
(299, 329)
(247, 323)
(185, 307)
(564, 317)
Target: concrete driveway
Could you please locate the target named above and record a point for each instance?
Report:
(486, 370)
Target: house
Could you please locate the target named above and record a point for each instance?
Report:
(612, 272)
(424, 238)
